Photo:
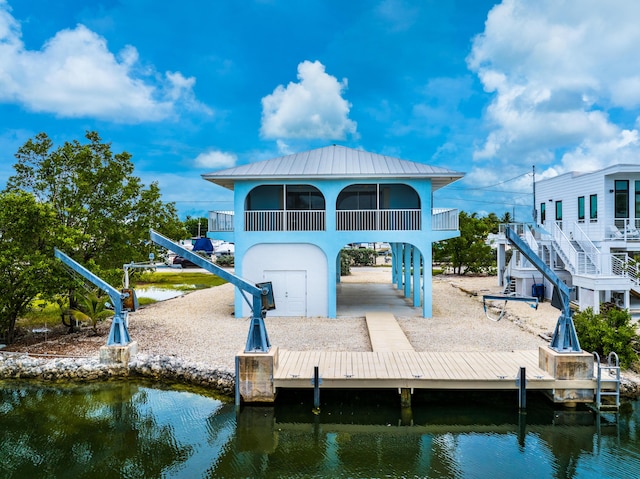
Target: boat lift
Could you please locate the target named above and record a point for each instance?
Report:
(565, 338)
(262, 293)
(122, 301)
(505, 298)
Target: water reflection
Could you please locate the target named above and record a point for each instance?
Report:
(129, 429)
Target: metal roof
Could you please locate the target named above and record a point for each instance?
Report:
(333, 162)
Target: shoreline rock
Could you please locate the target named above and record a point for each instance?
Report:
(23, 366)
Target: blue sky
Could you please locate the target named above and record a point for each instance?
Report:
(485, 87)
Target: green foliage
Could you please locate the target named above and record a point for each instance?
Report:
(356, 257)
(195, 227)
(469, 252)
(179, 278)
(225, 260)
(92, 308)
(609, 331)
(27, 265)
(345, 263)
(104, 210)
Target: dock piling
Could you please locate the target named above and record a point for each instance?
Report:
(316, 389)
(522, 388)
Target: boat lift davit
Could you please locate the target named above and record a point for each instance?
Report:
(262, 293)
(565, 338)
(122, 301)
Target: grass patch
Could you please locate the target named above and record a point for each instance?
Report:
(179, 280)
(41, 313)
(143, 301)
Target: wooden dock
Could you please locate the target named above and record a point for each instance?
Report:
(394, 363)
(411, 369)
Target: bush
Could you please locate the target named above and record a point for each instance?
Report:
(225, 260)
(609, 331)
(345, 263)
(360, 256)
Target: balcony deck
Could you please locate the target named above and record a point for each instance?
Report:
(442, 219)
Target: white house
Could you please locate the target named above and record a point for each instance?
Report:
(587, 230)
(293, 215)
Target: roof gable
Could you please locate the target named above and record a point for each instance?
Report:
(333, 162)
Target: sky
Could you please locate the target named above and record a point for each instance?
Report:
(492, 89)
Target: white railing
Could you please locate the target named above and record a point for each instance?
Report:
(306, 220)
(268, 220)
(280, 220)
(592, 253)
(623, 265)
(444, 219)
(220, 221)
(378, 220)
(625, 229)
(569, 253)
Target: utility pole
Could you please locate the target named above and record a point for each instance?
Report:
(534, 211)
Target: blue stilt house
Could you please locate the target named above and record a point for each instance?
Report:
(293, 214)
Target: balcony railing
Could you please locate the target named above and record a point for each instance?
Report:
(220, 221)
(280, 220)
(378, 220)
(443, 219)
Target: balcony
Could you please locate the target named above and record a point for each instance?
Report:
(378, 220)
(289, 220)
(443, 219)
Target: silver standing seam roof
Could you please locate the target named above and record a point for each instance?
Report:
(333, 162)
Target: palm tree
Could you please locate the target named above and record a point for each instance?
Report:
(91, 307)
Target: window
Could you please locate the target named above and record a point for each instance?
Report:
(581, 208)
(637, 189)
(304, 197)
(358, 197)
(374, 197)
(264, 198)
(621, 198)
(593, 207)
(543, 212)
(558, 210)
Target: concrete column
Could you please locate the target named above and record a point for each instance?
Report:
(416, 277)
(407, 269)
(399, 261)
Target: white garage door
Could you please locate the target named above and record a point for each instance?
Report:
(289, 292)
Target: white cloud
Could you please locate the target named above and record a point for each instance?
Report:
(215, 159)
(556, 70)
(75, 75)
(311, 109)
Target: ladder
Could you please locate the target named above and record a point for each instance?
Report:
(605, 382)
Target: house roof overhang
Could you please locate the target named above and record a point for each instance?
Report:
(333, 162)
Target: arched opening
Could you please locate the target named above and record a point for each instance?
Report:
(392, 206)
(398, 287)
(285, 208)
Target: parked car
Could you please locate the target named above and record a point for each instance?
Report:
(185, 263)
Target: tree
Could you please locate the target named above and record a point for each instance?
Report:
(93, 308)
(196, 227)
(27, 265)
(469, 252)
(104, 210)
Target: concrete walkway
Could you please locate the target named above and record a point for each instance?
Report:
(356, 299)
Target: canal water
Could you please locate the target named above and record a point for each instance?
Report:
(129, 429)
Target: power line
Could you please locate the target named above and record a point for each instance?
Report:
(501, 183)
